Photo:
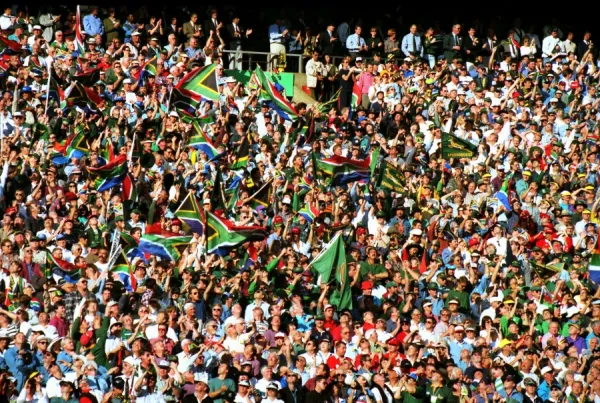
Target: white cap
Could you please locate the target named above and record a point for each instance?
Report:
(230, 80)
(416, 232)
(286, 200)
(545, 370)
(201, 377)
(327, 307)
(366, 375)
(135, 33)
(206, 201)
(173, 113)
(572, 311)
(427, 303)
(279, 334)
(553, 99)
(130, 360)
(273, 385)
(127, 81)
(243, 383)
(460, 92)
(37, 27)
(495, 299)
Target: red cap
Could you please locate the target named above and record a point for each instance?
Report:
(562, 83)
(86, 338)
(71, 196)
(575, 84)
(473, 242)
(295, 230)
(360, 231)
(366, 285)
(11, 211)
(176, 221)
(393, 342)
(277, 220)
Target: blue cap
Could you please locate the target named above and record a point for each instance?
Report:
(42, 237)
(60, 236)
(119, 99)
(413, 376)
(26, 89)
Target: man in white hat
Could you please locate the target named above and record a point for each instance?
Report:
(272, 390)
(200, 390)
(129, 375)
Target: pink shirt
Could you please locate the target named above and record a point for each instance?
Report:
(61, 325)
(365, 81)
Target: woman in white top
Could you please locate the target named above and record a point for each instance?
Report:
(528, 47)
(33, 392)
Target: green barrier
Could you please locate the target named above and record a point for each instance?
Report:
(285, 79)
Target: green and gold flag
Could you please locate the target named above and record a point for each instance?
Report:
(454, 147)
(391, 177)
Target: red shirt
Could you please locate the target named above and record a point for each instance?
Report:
(330, 324)
(61, 325)
(333, 362)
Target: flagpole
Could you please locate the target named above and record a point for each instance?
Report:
(130, 156)
(261, 188)
(48, 86)
(169, 100)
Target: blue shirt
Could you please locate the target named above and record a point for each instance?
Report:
(407, 44)
(543, 390)
(193, 53)
(275, 35)
(513, 395)
(354, 43)
(63, 356)
(93, 25)
(455, 349)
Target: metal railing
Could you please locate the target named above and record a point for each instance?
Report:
(249, 59)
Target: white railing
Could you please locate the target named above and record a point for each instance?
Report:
(247, 60)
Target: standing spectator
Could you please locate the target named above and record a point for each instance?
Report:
(237, 36)
(355, 43)
(112, 26)
(411, 44)
(278, 37)
(49, 22)
(192, 29)
(453, 44)
(92, 24)
(314, 75)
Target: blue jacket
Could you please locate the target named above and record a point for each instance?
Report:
(93, 25)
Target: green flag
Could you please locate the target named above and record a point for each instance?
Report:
(331, 257)
(454, 147)
(341, 297)
(374, 159)
(391, 177)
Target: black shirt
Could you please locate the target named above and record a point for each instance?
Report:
(315, 397)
